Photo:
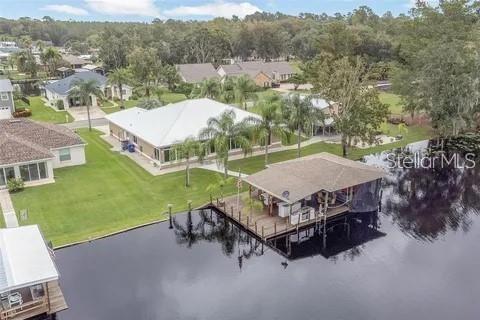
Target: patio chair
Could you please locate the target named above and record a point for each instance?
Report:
(15, 299)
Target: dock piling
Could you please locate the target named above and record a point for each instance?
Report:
(170, 216)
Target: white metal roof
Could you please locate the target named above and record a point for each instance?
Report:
(172, 123)
(24, 258)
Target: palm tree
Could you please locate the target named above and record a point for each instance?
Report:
(120, 77)
(269, 125)
(222, 133)
(51, 57)
(210, 88)
(244, 86)
(189, 148)
(300, 116)
(84, 89)
(228, 90)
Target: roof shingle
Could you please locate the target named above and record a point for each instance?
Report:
(24, 140)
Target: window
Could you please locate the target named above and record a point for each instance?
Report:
(65, 155)
(4, 96)
(24, 174)
(3, 181)
(166, 155)
(33, 171)
(9, 173)
(124, 92)
(156, 154)
(135, 140)
(170, 155)
(42, 168)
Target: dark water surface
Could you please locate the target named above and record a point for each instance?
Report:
(419, 258)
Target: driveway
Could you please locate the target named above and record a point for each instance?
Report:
(80, 113)
(84, 123)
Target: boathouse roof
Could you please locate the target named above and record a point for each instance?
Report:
(24, 258)
(293, 180)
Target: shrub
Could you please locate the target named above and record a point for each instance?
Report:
(116, 99)
(59, 105)
(185, 88)
(15, 185)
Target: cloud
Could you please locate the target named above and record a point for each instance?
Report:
(125, 7)
(215, 9)
(64, 8)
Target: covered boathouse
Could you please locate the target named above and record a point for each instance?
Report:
(303, 192)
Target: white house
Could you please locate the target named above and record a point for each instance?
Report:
(155, 132)
(7, 105)
(58, 90)
(31, 150)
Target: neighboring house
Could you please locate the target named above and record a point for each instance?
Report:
(94, 68)
(329, 109)
(31, 150)
(260, 78)
(64, 72)
(155, 132)
(74, 62)
(263, 73)
(29, 285)
(196, 72)
(7, 105)
(59, 89)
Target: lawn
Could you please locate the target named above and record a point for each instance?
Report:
(41, 112)
(253, 164)
(166, 98)
(108, 194)
(393, 101)
(170, 97)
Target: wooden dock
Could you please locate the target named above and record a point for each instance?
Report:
(265, 226)
(52, 303)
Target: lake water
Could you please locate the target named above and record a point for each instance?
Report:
(419, 258)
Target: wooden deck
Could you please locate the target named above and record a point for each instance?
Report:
(57, 300)
(259, 222)
(55, 304)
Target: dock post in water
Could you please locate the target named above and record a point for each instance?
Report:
(189, 205)
(263, 232)
(170, 215)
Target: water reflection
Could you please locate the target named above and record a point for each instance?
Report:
(426, 203)
(345, 237)
(208, 226)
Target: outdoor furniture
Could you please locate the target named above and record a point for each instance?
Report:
(15, 299)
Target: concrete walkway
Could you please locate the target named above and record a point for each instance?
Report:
(6, 204)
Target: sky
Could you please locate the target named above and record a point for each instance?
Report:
(147, 10)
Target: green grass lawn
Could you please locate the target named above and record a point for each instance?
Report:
(166, 98)
(41, 112)
(171, 97)
(253, 164)
(108, 194)
(393, 101)
(107, 106)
